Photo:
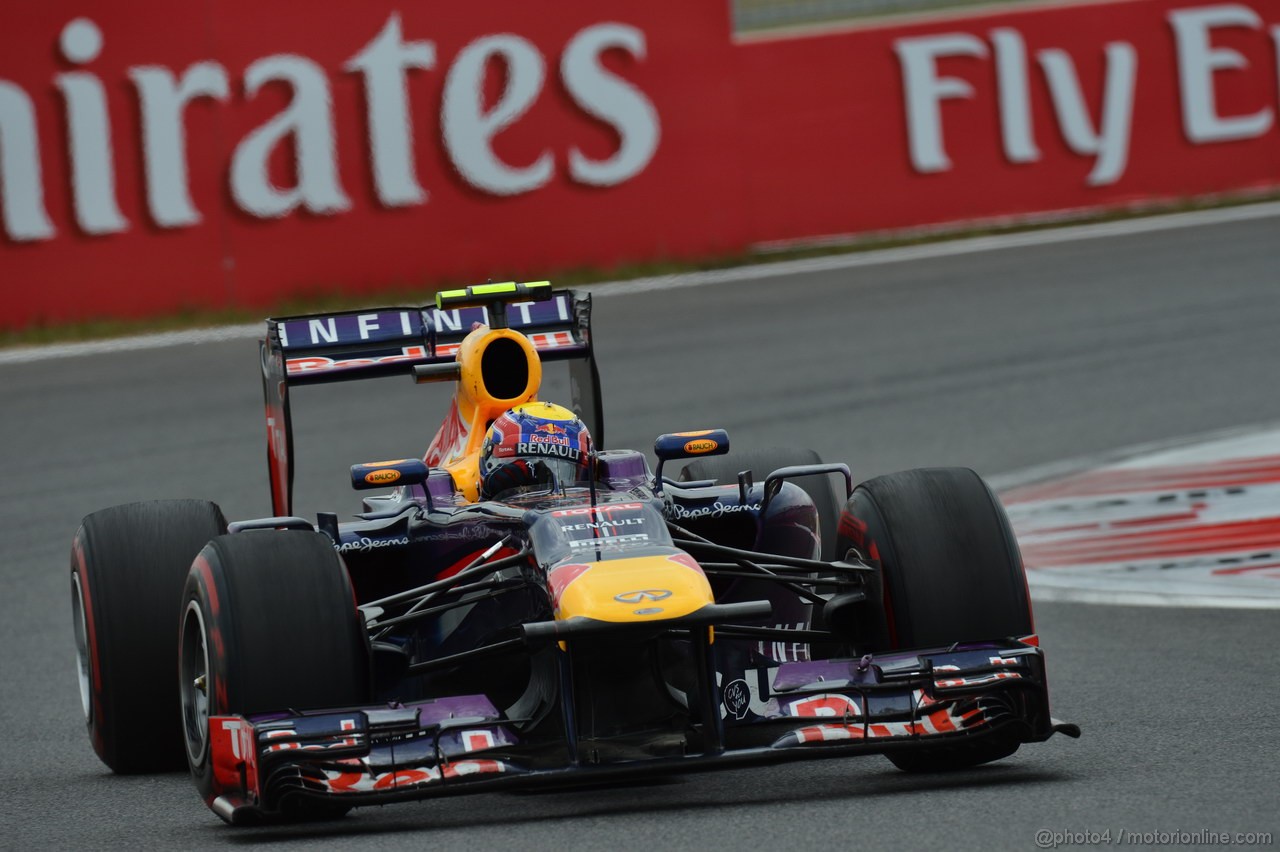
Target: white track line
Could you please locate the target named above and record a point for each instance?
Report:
(754, 272)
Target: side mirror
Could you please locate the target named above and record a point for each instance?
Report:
(688, 445)
(386, 474)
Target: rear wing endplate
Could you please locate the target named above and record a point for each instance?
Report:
(349, 345)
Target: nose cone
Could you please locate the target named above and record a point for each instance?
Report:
(634, 589)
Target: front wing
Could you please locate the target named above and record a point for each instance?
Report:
(881, 703)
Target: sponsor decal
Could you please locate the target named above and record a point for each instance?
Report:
(526, 448)
(320, 363)
(698, 434)
(232, 726)
(364, 545)
(977, 680)
(596, 510)
(348, 328)
(359, 781)
(737, 699)
(389, 327)
(459, 533)
(291, 734)
(602, 525)
(477, 740)
(386, 476)
(239, 768)
(653, 610)
(386, 463)
(642, 596)
(758, 687)
(714, 510)
(944, 720)
(413, 354)
(828, 704)
(611, 541)
(784, 652)
(702, 445)
(280, 734)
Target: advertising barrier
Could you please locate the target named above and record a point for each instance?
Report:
(240, 154)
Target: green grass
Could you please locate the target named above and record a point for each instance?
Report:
(332, 298)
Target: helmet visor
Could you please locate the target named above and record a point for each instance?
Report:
(523, 475)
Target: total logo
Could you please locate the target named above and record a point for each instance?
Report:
(597, 510)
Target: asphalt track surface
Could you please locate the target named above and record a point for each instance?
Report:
(999, 360)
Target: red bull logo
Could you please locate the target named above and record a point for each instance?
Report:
(550, 433)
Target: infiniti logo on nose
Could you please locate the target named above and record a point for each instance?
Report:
(643, 595)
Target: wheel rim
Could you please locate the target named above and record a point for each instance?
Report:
(194, 676)
(83, 657)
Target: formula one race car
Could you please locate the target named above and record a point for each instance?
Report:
(595, 619)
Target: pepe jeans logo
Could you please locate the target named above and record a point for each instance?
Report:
(713, 510)
(642, 596)
(364, 545)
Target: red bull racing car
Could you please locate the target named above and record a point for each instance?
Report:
(524, 606)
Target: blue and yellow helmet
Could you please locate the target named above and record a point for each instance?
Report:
(536, 443)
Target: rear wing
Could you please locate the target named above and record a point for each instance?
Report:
(349, 345)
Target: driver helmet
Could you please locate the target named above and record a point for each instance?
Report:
(536, 443)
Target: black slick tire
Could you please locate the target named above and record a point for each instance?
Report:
(269, 623)
(128, 566)
(950, 571)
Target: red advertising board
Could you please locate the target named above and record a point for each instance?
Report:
(151, 161)
(1062, 107)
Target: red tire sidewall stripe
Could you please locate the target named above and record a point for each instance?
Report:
(205, 594)
(97, 720)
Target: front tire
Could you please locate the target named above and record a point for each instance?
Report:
(950, 571)
(269, 624)
(128, 566)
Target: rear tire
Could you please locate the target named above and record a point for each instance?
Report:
(286, 635)
(950, 571)
(761, 463)
(128, 565)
